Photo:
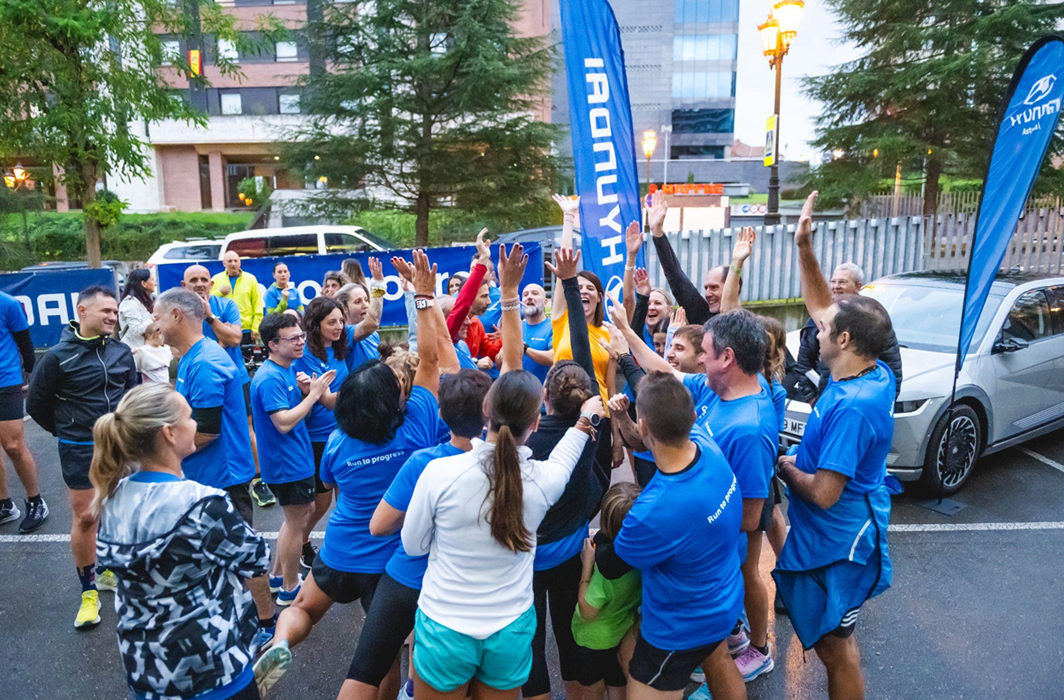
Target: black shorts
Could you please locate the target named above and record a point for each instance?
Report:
(848, 625)
(766, 515)
(777, 490)
(600, 665)
(319, 452)
(74, 460)
(343, 586)
(666, 670)
(294, 493)
(247, 396)
(388, 624)
(240, 495)
(11, 403)
(644, 470)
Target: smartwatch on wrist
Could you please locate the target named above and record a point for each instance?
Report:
(593, 418)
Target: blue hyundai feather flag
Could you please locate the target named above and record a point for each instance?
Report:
(600, 117)
(1026, 126)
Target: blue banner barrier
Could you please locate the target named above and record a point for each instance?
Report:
(308, 271)
(49, 298)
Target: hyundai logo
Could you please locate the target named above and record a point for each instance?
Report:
(1041, 89)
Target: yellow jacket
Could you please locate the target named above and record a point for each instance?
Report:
(245, 294)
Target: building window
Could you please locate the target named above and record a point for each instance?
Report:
(288, 104)
(227, 50)
(696, 152)
(713, 47)
(286, 51)
(171, 51)
(702, 85)
(703, 121)
(706, 11)
(231, 103)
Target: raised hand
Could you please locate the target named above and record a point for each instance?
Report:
(804, 235)
(376, 269)
(483, 247)
(511, 269)
(679, 318)
(565, 260)
(568, 205)
(319, 385)
(405, 269)
(593, 406)
(633, 238)
(424, 274)
(744, 245)
(620, 321)
(642, 282)
(617, 345)
(656, 215)
(618, 403)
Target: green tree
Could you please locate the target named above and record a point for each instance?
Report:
(78, 80)
(426, 104)
(925, 92)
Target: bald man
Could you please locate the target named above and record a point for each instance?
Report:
(538, 336)
(242, 287)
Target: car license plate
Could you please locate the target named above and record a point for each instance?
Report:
(794, 427)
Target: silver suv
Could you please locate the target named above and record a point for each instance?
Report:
(1010, 390)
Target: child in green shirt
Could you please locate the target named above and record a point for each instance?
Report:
(606, 610)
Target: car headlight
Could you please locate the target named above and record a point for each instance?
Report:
(909, 406)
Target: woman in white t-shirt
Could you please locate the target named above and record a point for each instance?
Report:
(476, 515)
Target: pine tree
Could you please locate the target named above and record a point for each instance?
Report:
(422, 105)
(925, 92)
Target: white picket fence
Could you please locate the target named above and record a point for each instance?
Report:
(880, 246)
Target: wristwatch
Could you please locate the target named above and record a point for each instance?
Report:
(593, 418)
(210, 319)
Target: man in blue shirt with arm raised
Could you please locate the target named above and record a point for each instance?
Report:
(537, 332)
(836, 556)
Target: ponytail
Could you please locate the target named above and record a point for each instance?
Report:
(512, 405)
(127, 436)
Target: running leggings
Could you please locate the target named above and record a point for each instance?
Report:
(561, 585)
(389, 620)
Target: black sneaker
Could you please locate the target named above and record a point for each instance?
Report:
(306, 559)
(36, 512)
(9, 512)
(262, 493)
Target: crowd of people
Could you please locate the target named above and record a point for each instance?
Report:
(473, 477)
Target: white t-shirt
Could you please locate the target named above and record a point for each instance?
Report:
(473, 584)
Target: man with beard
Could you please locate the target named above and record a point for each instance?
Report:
(538, 335)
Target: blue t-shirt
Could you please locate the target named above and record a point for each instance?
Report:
(321, 421)
(538, 337)
(465, 358)
(273, 298)
(492, 316)
(849, 431)
(404, 568)
(363, 351)
(682, 533)
(362, 472)
(779, 400)
(12, 320)
(283, 457)
(227, 312)
(554, 553)
(207, 378)
(747, 431)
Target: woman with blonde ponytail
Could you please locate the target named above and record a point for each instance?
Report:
(180, 552)
(476, 515)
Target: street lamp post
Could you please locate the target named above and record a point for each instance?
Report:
(777, 33)
(650, 142)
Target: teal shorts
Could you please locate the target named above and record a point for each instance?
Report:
(446, 659)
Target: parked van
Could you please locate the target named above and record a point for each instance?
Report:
(303, 240)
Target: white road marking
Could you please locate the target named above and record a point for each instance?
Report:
(1042, 458)
(898, 527)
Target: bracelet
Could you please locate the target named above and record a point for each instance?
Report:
(422, 303)
(424, 296)
(510, 304)
(629, 268)
(736, 270)
(377, 292)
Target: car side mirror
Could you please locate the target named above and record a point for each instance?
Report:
(1009, 344)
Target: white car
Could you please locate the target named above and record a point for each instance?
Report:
(1010, 389)
(303, 240)
(195, 250)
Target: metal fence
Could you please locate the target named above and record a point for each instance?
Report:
(880, 246)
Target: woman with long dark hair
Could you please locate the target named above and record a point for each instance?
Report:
(326, 350)
(136, 307)
(181, 553)
(475, 514)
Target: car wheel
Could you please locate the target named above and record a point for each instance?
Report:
(951, 456)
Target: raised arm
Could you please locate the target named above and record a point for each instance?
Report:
(686, 293)
(638, 319)
(645, 356)
(511, 270)
(564, 269)
(633, 239)
(744, 246)
(464, 301)
(815, 290)
(428, 368)
(569, 207)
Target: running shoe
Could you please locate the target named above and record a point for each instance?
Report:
(266, 635)
(698, 675)
(306, 558)
(89, 612)
(272, 666)
(106, 581)
(262, 493)
(36, 512)
(276, 583)
(738, 642)
(285, 598)
(702, 693)
(752, 663)
(9, 512)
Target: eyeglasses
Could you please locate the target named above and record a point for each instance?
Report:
(301, 338)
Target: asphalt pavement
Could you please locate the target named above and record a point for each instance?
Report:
(974, 611)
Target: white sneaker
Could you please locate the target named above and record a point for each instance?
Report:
(738, 643)
(752, 663)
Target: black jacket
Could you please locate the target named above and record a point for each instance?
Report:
(809, 358)
(77, 381)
